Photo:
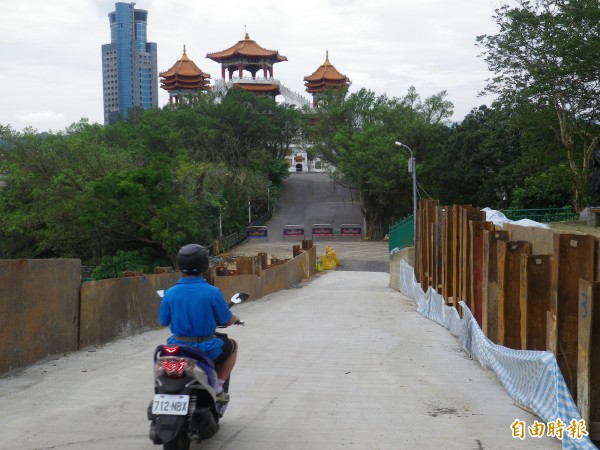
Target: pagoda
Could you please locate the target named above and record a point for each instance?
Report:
(184, 79)
(325, 77)
(247, 55)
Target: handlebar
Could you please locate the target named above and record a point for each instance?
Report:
(239, 322)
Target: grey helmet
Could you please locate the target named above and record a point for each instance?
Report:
(193, 259)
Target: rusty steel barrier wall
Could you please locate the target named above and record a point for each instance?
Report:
(120, 307)
(527, 286)
(39, 310)
(45, 309)
(271, 280)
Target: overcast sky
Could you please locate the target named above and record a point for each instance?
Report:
(51, 62)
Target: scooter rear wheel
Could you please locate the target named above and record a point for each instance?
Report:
(182, 442)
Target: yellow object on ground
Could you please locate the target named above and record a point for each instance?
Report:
(331, 252)
(328, 262)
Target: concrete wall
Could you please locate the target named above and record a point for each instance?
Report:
(407, 254)
(39, 310)
(45, 310)
(541, 239)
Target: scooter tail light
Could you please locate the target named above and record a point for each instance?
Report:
(174, 366)
(171, 349)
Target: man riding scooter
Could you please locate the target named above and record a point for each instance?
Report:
(193, 309)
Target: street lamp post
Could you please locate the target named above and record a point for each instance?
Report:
(222, 203)
(220, 224)
(413, 169)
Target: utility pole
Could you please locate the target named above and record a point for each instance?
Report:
(412, 168)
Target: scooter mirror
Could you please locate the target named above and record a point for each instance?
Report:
(239, 297)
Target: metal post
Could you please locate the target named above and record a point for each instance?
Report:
(220, 224)
(414, 176)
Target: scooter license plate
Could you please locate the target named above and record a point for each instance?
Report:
(172, 405)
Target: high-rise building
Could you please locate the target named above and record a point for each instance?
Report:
(129, 64)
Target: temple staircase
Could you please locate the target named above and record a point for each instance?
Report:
(289, 97)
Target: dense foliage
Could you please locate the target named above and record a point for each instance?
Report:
(500, 157)
(136, 191)
(546, 55)
(127, 195)
(355, 134)
(532, 148)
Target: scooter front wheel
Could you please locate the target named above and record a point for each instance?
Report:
(181, 442)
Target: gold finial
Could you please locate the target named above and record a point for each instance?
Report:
(247, 37)
(326, 63)
(184, 57)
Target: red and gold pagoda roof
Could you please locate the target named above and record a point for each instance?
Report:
(246, 48)
(325, 76)
(185, 75)
(270, 88)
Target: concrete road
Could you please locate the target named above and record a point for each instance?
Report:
(355, 255)
(341, 361)
(313, 198)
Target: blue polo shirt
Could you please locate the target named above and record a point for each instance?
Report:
(194, 308)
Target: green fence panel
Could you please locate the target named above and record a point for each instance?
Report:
(227, 242)
(402, 234)
(542, 214)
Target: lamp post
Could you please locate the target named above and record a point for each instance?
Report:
(220, 224)
(222, 204)
(412, 168)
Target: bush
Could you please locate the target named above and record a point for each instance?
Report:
(550, 189)
(136, 261)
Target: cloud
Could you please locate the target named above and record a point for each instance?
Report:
(51, 51)
(43, 116)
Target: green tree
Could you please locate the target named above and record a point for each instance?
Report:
(546, 54)
(45, 179)
(146, 207)
(138, 189)
(492, 153)
(356, 134)
(550, 188)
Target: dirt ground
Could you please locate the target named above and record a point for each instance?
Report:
(355, 255)
(361, 250)
(575, 227)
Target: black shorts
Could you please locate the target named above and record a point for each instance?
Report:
(229, 347)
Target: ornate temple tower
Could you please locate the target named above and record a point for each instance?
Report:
(326, 76)
(184, 79)
(247, 55)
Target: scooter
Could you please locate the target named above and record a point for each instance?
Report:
(185, 407)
